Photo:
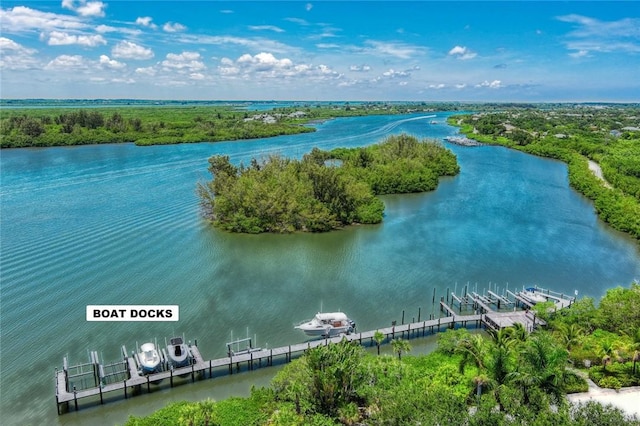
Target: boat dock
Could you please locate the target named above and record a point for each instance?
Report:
(97, 383)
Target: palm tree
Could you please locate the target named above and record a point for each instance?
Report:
(570, 334)
(378, 336)
(502, 337)
(519, 332)
(400, 346)
(473, 349)
(608, 351)
(480, 380)
(546, 361)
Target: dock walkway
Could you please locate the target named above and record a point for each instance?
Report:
(125, 378)
(227, 365)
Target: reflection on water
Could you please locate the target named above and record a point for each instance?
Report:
(120, 224)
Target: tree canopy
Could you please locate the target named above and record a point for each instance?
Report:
(509, 377)
(324, 190)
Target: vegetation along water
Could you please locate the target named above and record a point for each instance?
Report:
(119, 223)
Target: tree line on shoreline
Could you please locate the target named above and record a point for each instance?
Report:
(509, 377)
(608, 136)
(171, 124)
(324, 190)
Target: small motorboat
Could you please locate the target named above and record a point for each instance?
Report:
(149, 359)
(178, 353)
(327, 324)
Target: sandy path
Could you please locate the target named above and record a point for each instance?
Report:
(627, 399)
(597, 171)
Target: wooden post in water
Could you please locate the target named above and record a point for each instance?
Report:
(75, 397)
(419, 308)
(402, 317)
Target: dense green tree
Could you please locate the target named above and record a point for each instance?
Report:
(619, 310)
(284, 195)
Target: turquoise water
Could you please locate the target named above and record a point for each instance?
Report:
(120, 224)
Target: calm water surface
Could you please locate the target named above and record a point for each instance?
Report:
(120, 224)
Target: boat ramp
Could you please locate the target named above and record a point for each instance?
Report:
(97, 383)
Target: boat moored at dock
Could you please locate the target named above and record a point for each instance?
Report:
(327, 324)
(177, 353)
(148, 359)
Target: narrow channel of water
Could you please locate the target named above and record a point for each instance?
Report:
(120, 224)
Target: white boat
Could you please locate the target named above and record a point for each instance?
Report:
(327, 324)
(462, 140)
(149, 358)
(178, 353)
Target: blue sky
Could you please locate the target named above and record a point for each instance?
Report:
(321, 50)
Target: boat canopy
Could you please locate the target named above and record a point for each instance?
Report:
(331, 316)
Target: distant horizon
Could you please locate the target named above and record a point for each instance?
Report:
(427, 102)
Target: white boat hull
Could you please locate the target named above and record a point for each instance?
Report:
(149, 358)
(328, 325)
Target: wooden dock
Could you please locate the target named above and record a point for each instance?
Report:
(101, 383)
(201, 368)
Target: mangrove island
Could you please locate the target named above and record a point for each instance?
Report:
(325, 190)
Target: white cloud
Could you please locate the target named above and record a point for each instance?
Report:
(84, 7)
(105, 61)
(266, 28)
(462, 53)
(256, 44)
(67, 62)
(59, 38)
(593, 35)
(360, 68)
(329, 46)
(109, 29)
(298, 21)
(579, 54)
(129, 50)
(495, 84)
(185, 61)
(14, 56)
(460, 86)
(263, 62)
(266, 65)
(395, 49)
(308, 7)
(173, 27)
(20, 19)
(396, 74)
(8, 44)
(123, 80)
(146, 21)
(149, 71)
(437, 86)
